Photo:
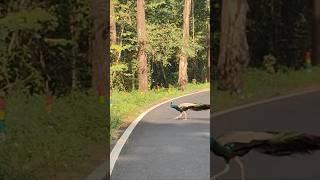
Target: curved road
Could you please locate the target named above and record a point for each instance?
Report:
(299, 113)
(162, 148)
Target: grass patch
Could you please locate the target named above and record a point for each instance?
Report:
(130, 104)
(261, 85)
(41, 145)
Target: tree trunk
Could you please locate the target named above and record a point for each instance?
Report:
(142, 38)
(209, 39)
(98, 46)
(183, 63)
(208, 54)
(44, 69)
(316, 33)
(234, 50)
(164, 75)
(113, 29)
(75, 36)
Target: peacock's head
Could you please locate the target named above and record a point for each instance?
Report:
(172, 105)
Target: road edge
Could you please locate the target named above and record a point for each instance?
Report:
(277, 98)
(102, 171)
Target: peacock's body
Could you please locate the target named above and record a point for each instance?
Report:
(183, 107)
(237, 144)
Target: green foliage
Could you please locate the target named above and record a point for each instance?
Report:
(165, 12)
(119, 73)
(164, 40)
(27, 20)
(36, 44)
(281, 28)
(44, 142)
(45, 42)
(16, 61)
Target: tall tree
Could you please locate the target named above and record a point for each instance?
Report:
(316, 32)
(113, 29)
(75, 36)
(208, 41)
(142, 39)
(183, 63)
(113, 32)
(208, 64)
(98, 45)
(234, 50)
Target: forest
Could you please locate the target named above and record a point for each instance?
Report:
(53, 86)
(163, 41)
(41, 42)
(263, 48)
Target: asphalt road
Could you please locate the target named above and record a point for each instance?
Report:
(299, 113)
(163, 148)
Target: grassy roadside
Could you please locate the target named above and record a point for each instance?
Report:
(262, 85)
(62, 144)
(126, 106)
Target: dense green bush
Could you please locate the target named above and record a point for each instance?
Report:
(40, 141)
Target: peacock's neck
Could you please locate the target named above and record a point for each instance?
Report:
(213, 143)
(216, 147)
(175, 107)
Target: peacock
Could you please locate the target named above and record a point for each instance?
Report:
(234, 145)
(184, 107)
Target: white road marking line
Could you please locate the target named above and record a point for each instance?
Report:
(277, 98)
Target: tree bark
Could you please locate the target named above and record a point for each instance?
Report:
(164, 75)
(316, 33)
(234, 50)
(113, 29)
(183, 63)
(98, 42)
(208, 54)
(75, 36)
(142, 38)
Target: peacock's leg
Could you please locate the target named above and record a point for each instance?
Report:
(185, 115)
(178, 116)
(238, 160)
(226, 169)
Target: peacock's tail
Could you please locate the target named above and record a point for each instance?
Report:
(200, 107)
(290, 143)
